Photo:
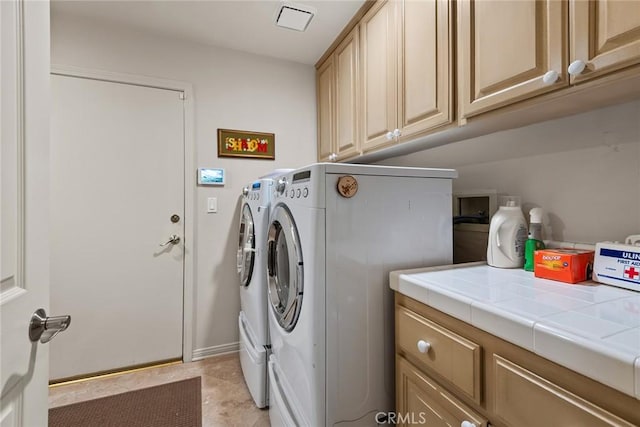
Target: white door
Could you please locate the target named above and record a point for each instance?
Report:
(117, 195)
(24, 193)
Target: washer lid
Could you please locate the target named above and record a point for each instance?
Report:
(284, 268)
(246, 246)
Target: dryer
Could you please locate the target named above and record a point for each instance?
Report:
(251, 264)
(335, 233)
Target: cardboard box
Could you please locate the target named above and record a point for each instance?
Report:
(563, 265)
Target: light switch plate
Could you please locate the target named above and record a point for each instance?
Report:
(212, 205)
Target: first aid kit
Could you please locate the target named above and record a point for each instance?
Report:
(618, 264)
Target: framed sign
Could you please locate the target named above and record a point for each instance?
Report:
(239, 143)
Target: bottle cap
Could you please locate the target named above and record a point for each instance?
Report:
(509, 201)
(535, 215)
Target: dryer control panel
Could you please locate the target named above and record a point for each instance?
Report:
(298, 188)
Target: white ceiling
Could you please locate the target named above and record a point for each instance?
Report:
(245, 25)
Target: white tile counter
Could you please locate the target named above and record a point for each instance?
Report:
(590, 328)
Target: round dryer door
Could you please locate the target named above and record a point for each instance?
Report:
(284, 268)
(246, 246)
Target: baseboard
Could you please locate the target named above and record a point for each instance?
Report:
(216, 350)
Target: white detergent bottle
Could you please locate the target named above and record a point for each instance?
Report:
(507, 236)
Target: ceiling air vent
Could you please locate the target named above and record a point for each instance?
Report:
(294, 16)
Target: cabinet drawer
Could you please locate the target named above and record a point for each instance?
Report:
(520, 395)
(422, 401)
(451, 356)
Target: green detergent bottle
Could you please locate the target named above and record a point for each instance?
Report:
(534, 241)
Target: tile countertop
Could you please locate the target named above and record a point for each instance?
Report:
(590, 328)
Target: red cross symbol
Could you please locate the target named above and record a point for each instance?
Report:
(631, 273)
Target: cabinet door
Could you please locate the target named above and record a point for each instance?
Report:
(520, 395)
(421, 401)
(325, 79)
(448, 354)
(424, 82)
(605, 34)
(346, 63)
(378, 32)
(505, 49)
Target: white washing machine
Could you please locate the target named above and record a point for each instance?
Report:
(251, 262)
(336, 231)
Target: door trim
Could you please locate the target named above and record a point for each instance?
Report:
(189, 178)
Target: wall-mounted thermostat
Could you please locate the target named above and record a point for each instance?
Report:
(211, 176)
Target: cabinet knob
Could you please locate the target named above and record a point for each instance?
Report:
(333, 157)
(467, 424)
(394, 134)
(576, 67)
(423, 346)
(550, 77)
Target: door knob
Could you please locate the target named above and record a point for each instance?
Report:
(45, 328)
(174, 239)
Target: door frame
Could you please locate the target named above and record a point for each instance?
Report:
(189, 178)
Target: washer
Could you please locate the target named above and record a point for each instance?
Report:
(251, 263)
(335, 233)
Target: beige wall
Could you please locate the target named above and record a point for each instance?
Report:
(232, 90)
(584, 170)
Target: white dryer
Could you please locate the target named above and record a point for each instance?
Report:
(335, 233)
(251, 263)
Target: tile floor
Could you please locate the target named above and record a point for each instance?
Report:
(225, 398)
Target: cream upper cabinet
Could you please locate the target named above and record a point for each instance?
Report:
(325, 82)
(346, 120)
(425, 69)
(509, 51)
(406, 69)
(605, 36)
(378, 31)
(337, 84)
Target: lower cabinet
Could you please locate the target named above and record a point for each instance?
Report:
(422, 401)
(523, 398)
(502, 385)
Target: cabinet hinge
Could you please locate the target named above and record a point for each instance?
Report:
(182, 95)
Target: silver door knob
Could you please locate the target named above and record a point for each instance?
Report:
(174, 239)
(45, 328)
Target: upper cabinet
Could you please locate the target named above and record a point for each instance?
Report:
(337, 85)
(513, 50)
(508, 51)
(388, 79)
(405, 70)
(605, 36)
(325, 84)
(425, 67)
(379, 74)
